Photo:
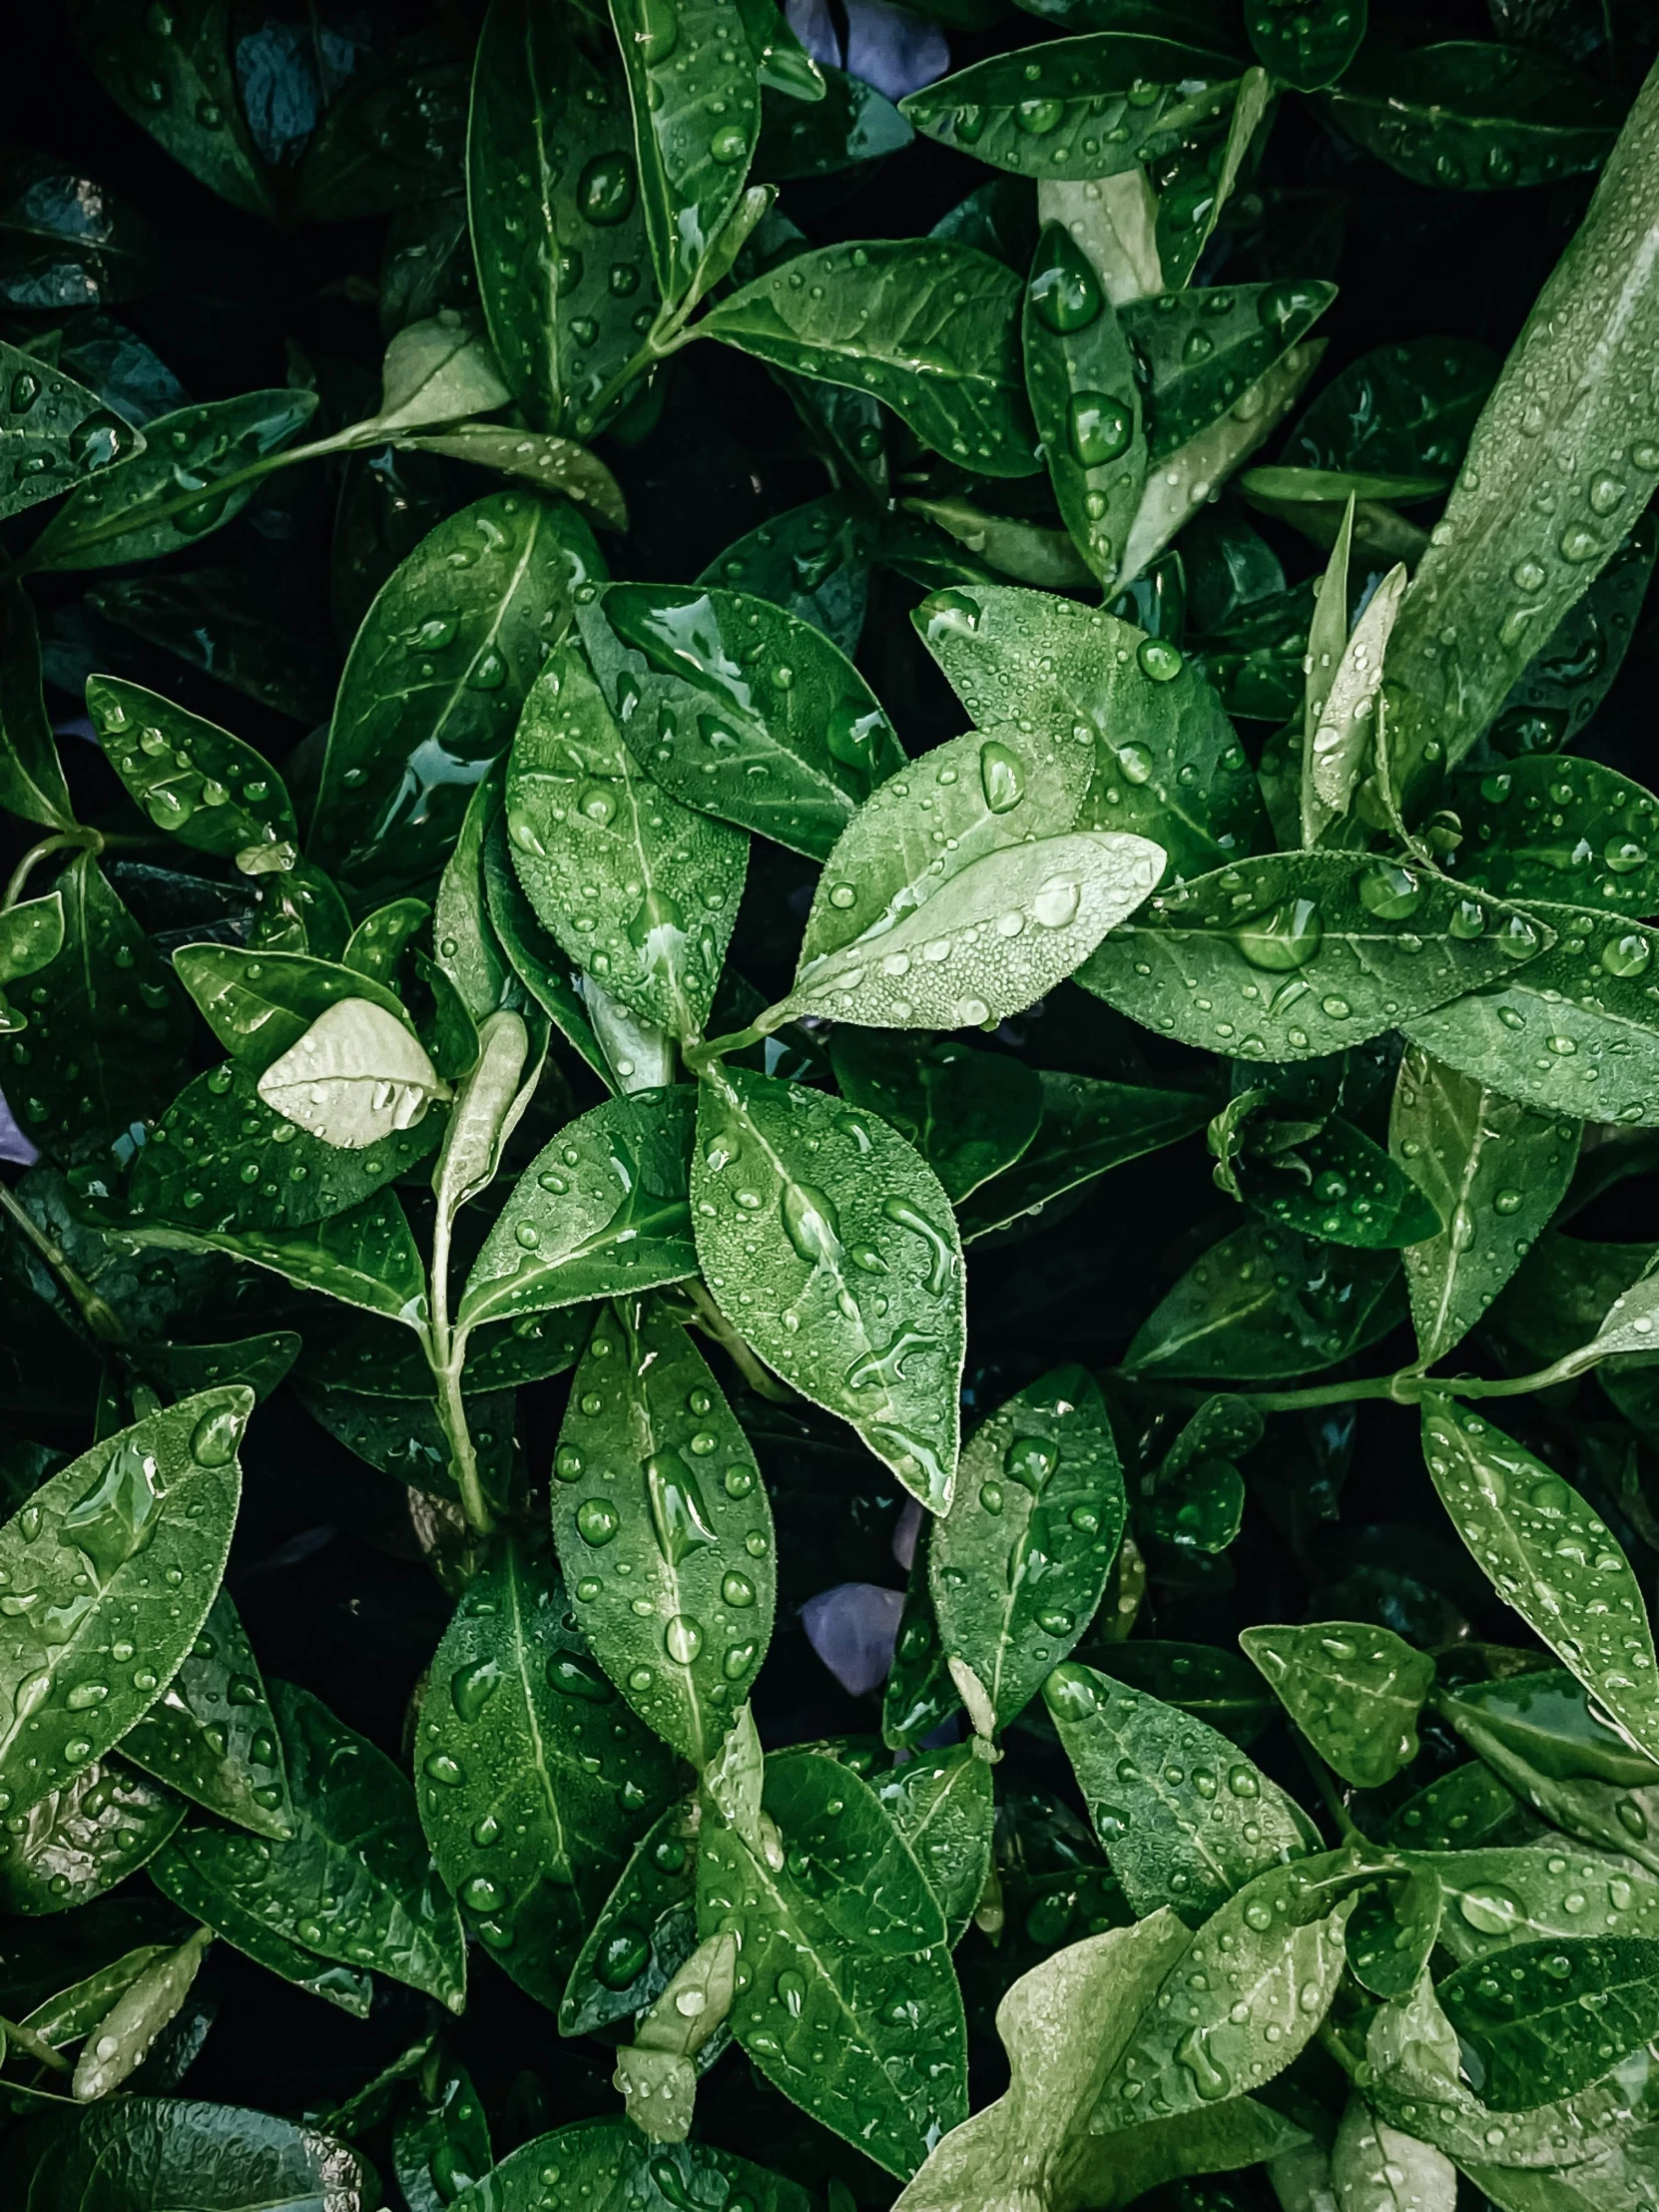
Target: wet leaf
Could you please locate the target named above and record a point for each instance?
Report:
(81, 1839)
(929, 327)
(177, 489)
(1509, 1895)
(1203, 350)
(435, 681)
(1018, 1565)
(1085, 402)
(1355, 1690)
(849, 123)
(123, 2038)
(1185, 1817)
(638, 889)
(600, 1212)
(943, 1804)
(829, 1244)
(644, 1931)
(1296, 955)
(740, 708)
(102, 1628)
(1334, 1182)
(1521, 2017)
(614, 2165)
(1211, 1683)
(224, 2158)
(534, 1783)
(1377, 2168)
(1552, 1558)
(1307, 48)
(969, 1114)
(54, 434)
(1087, 1128)
(536, 457)
(354, 1883)
(1399, 410)
(1565, 829)
(854, 1937)
(1492, 1170)
(1474, 117)
(1392, 1931)
(810, 561)
(394, 134)
(241, 626)
(175, 75)
(1267, 1302)
(443, 2148)
(1167, 764)
(31, 776)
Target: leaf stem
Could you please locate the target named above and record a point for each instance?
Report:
(100, 1317)
(60, 841)
(1329, 1797)
(25, 2040)
(1406, 1386)
(446, 1346)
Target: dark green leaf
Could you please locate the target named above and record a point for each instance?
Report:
(1085, 402)
(1265, 1302)
(929, 327)
(1523, 2015)
(1018, 1565)
(197, 472)
(1185, 1817)
(861, 1938)
(1205, 1680)
(1502, 1897)
(1561, 830)
(189, 777)
(852, 123)
(644, 1931)
(240, 627)
(174, 74)
(534, 1782)
(435, 682)
(1299, 955)
(259, 1005)
(393, 136)
(1400, 410)
(54, 434)
(1088, 1127)
(969, 1114)
(443, 2148)
(362, 1255)
(1475, 117)
(943, 1804)
(548, 974)
(1307, 47)
(211, 1734)
(810, 561)
(612, 2167)
(354, 1885)
(1203, 349)
(656, 1486)
(156, 2151)
(1392, 1931)
(31, 777)
(81, 1839)
(1334, 1182)
(827, 1242)
(918, 1693)
(1470, 1806)
(1555, 696)
(1355, 1691)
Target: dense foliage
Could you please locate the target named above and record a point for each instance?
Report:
(674, 689)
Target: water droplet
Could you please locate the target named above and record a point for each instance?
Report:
(597, 1521)
(678, 1518)
(1390, 892)
(1057, 901)
(1626, 955)
(1065, 292)
(737, 1589)
(623, 1956)
(1285, 940)
(471, 1688)
(1158, 660)
(1623, 856)
(117, 1518)
(439, 1766)
(1099, 428)
(605, 193)
(811, 1223)
(683, 1639)
(1001, 777)
(1069, 1692)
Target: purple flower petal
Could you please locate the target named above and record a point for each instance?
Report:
(906, 1530)
(891, 49)
(853, 1628)
(14, 1144)
(814, 27)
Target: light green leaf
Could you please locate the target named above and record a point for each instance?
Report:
(1375, 2168)
(354, 1883)
(210, 1735)
(1085, 402)
(94, 1550)
(656, 1487)
(549, 976)
(31, 938)
(534, 1782)
(1191, 1842)
(925, 325)
(167, 496)
(850, 1962)
(611, 2167)
(943, 1804)
(740, 708)
(1018, 1565)
(1353, 1689)
(1166, 763)
(1551, 1557)
(1076, 108)
(435, 681)
(1494, 1171)
(122, 2039)
(1344, 691)
(260, 1004)
(600, 1212)
(829, 1244)
(356, 1076)
(54, 434)
(435, 371)
(1520, 1894)
(1299, 955)
(638, 889)
(536, 457)
(695, 95)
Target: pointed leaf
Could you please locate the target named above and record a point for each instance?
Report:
(644, 1931)
(1521, 2017)
(209, 788)
(81, 1839)
(943, 1806)
(1088, 1127)
(1355, 1691)
(211, 1734)
(1203, 349)
(1267, 1302)
(31, 776)
(1085, 402)
(969, 1114)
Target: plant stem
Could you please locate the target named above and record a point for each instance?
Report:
(100, 1317)
(25, 2040)
(1407, 1386)
(1327, 1788)
(59, 842)
(446, 1356)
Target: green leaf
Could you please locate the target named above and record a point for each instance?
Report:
(1522, 1895)
(1334, 1182)
(1088, 1127)
(656, 1485)
(1494, 1171)
(558, 229)
(176, 76)
(1566, 1781)
(810, 560)
(740, 708)
(1392, 1931)
(1470, 1806)
(1080, 108)
(214, 793)
(928, 326)
(81, 1839)
(1377, 2168)
(829, 1243)
(1203, 350)
(1474, 117)
(363, 1256)
(124, 2036)
(600, 1212)
(536, 457)
(260, 1004)
(696, 95)
(534, 1783)
(1399, 410)
(99, 1543)
(1563, 685)
(1540, 420)
(992, 937)
(443, 2148)
(1206, 1680)
(392, 135)
(211, 1734)
(856, 1940)
(546, 972)
(918, 1693)
(354, 1883)
(376, 945)
(850, 123)
(1018, 1565)
(1299, 955)
(214, 2157)
(435, 682)
(1269, 1958)
(1353, 1689)
(356, 1075)
(644, 1931)
(1521, 2017)
(1545, 1718)
(612, 2167)
(969, 1114)
(437, 370)
(1308, 48)
(1343, 688)
(1167, 764)
(1185, 1817)
(1266, 1303)
(1558, 828)
(943, 1804)
(54, 434)
(31, 776)
(197, 472)
(993, 547)
(31, 938)
(1085, 402)
(1552, 1558)
(638, 888)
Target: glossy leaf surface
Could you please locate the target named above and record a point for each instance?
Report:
(969, 1114)
(1268, 1301)
(1355, 1690)
(210, 1735)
